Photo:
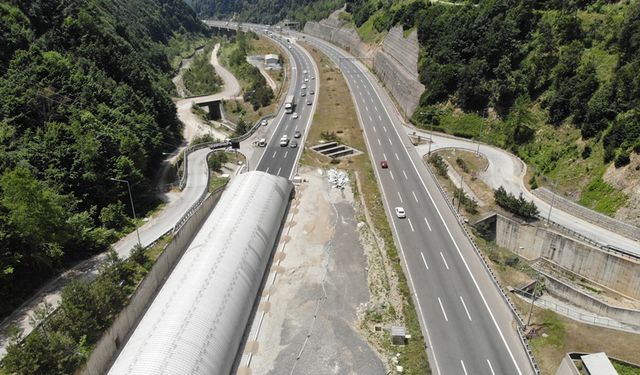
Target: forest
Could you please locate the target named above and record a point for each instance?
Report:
(266, 11)
(84, 97)
(578, 60)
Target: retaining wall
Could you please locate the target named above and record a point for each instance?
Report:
(112, 339)
(396, 63)
(616, 271)
(566, 292)
(604, 221)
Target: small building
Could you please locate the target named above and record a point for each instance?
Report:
(398, 335)
(271, 59)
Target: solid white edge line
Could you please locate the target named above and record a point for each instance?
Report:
(424, 260)
(366, 138)
(445, 262)
(442, 308)
(493, 319)
(465, 309)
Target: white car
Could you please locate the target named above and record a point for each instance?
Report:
(304, 72)
(306, 79)
(400, 213)
(263, 122)
(284, 141)
(295, 115)
(304, 86)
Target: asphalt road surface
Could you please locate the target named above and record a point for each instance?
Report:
(467, 323)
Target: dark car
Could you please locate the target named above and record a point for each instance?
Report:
(384, 164)
(293, 144)
(297, 134)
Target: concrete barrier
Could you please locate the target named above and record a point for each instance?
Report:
(125, 322)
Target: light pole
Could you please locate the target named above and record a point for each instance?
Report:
(553, 198)
(132, 207)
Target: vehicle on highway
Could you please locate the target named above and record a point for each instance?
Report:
(302, 93)
(311, 92)
(289, 104)
(400, 213)
(309, 102)
(263, 122)
(304, 86)
(293, 144)
(295, 115)
(312, 77)
(306, 79)
(297, 134)
(262, 142)
(304, 72)
(284, 141)
(384, 164)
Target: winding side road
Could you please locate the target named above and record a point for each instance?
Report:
(507, 170)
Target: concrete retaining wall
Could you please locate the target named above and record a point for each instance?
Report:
(613, 270)
(566, 292)
(616, 226)
(396, 64)
(112, 340)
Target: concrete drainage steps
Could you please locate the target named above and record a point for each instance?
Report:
(334, 150)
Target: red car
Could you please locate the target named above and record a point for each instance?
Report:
(384, 164)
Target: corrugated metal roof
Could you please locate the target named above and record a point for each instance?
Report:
(196, 322)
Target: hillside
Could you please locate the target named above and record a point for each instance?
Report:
(556, 82)
(84, 97)
(265, 11)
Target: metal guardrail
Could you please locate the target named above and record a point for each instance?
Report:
(485, 263)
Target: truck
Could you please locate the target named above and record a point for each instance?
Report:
(289, 104)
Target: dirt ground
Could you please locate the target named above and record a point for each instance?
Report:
(308, 312)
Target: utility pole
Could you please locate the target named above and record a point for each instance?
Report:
(533, 298)
(461, 191)
(133, 210)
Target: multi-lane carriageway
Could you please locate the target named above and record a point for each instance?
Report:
(468, 326)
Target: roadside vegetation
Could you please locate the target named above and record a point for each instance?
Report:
(258, 98)
(201, 77)
(64, 338)
(550, 81)
(336, 120)
(266, 11)
(84, 97)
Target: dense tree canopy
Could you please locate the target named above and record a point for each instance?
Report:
(266, 11)
(579, 59)
(84, 97)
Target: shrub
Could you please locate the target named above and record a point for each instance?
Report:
(470, 205)
(462, 164)
(518, 206)
(439, 164)
(622, 159)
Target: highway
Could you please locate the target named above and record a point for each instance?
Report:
(468, 325)
(278, 160)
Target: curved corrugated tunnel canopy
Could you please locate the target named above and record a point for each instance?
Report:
(195, 323)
